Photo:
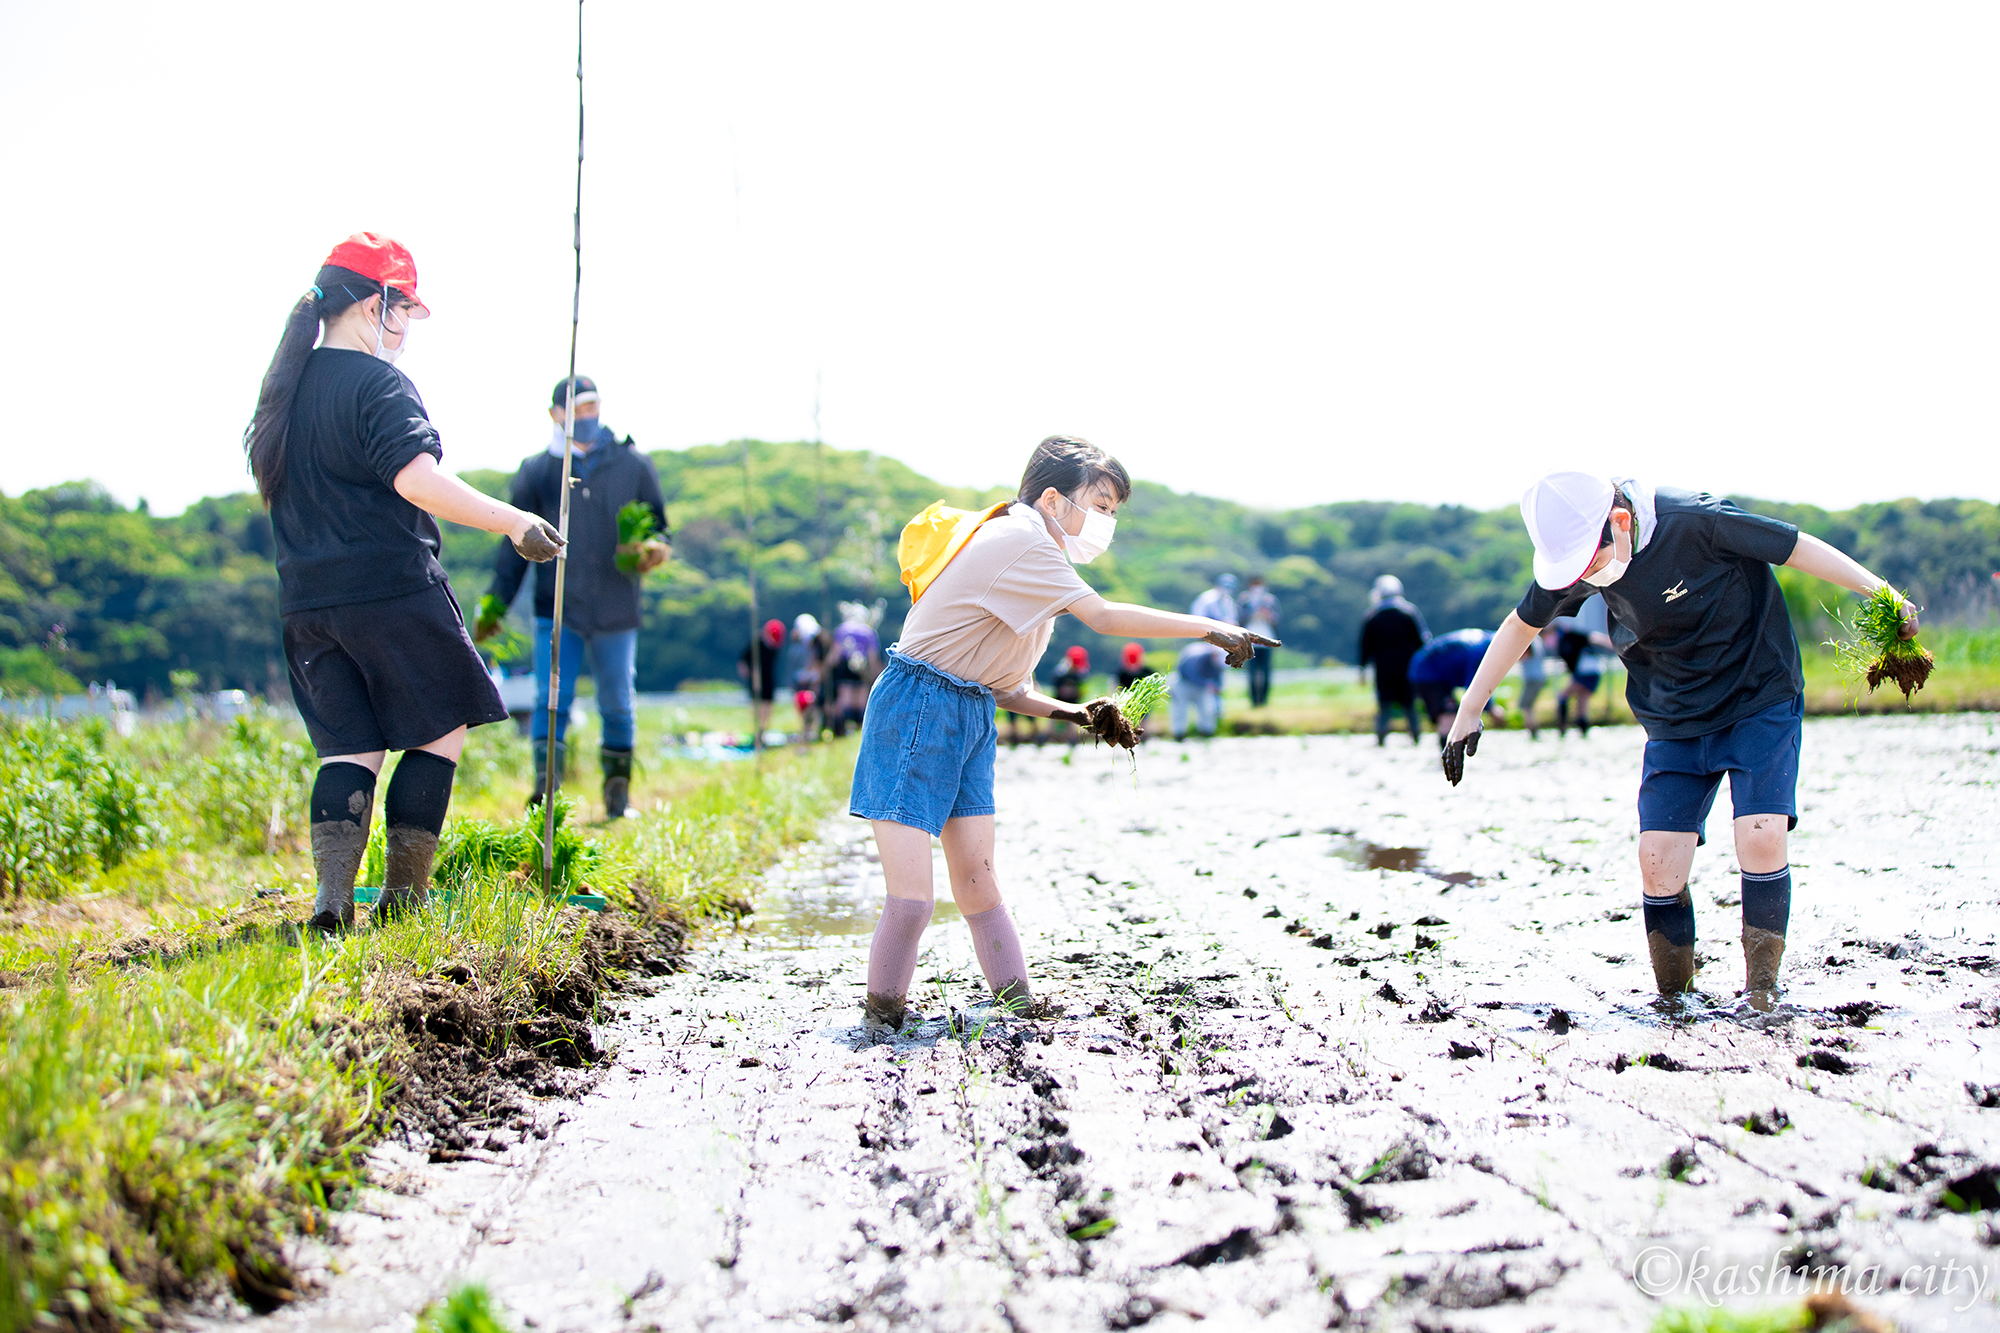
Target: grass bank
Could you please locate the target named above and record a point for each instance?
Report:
(186, 1084)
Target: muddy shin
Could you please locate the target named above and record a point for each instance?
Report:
(1670, 941)
(343, 798)
(569, 456)
(414, 808)
(892, 958)
(1767, 912)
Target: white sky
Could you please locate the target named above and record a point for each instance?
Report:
(1284, 253)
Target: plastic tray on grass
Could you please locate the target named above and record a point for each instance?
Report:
(591, 901)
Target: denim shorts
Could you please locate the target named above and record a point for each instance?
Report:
(926, 748)
(1760, 754)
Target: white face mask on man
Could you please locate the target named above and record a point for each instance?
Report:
(1621, 559)
(1094, 540)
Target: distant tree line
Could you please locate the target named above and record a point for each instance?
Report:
(92, 591)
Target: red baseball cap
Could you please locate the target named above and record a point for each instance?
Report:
(384, 260)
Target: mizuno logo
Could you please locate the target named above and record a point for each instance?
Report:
(1675, 593)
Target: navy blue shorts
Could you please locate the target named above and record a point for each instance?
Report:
(927, 746)
(1760, 754)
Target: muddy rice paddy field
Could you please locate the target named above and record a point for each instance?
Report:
(1339, 1046)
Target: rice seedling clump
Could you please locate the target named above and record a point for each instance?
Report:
(1871, 645)
(1117, 719)
(635, 526)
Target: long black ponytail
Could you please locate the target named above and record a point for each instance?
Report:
(332, 293)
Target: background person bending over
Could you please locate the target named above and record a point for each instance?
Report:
(1715, 679)
(1445, 666)
(601, 606)
(347, 460)
(1390, 637)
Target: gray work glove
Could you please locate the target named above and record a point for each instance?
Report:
(539, 542)
(1455, 755)
(1238, 645)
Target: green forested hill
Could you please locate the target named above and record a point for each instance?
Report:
(92, 591)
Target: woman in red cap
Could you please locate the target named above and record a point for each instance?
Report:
(767, 644)
(346, 459)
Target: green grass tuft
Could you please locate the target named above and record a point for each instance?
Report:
(468, 1309)
(1705, 1319)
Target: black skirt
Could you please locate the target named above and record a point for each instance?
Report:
(387, 675)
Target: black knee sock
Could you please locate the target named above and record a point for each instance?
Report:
(1767, 900)
(418, 796)
(1672, 917)
(343, 798)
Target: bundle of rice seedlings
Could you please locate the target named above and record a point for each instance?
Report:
(1872, 645)
(635, 527)
(1117, 719)
(493, 634)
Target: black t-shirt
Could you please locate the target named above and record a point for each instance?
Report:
(1698, 617)
(343, 534)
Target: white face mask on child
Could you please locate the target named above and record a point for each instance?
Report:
(1094, 540)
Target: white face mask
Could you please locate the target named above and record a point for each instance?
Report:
(1608, 575)
(1621, 560)
(390, 354)
(1094, 540)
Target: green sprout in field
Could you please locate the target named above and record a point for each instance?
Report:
(635, 528)
(1871, 644)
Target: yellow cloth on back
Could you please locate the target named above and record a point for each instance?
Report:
(932, 538)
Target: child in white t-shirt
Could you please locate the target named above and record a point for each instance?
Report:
(971, 640)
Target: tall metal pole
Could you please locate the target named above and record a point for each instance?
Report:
(756, 632)
(562, 518)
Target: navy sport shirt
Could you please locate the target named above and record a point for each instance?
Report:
(1698, 618)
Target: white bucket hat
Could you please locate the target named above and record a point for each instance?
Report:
(1565, 514)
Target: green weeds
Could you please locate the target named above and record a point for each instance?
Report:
(468, 1309)
(179, 1106)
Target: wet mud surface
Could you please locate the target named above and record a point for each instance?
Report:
(1339, 1046)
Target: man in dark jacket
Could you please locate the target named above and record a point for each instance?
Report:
(600, 600)
(1390, 637)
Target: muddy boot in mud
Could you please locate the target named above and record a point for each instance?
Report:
(617, 766)
(1670, 941)
(542, 772)
(414, 808)
(1767, 913)
(343, 798)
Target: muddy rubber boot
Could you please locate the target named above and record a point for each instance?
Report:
(542, 772)
(338, 849)
(1763, 953)
(617, 766)
(1670, 941)
(406, 878)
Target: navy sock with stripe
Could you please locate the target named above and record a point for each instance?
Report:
(1672, 917)
(1767, 900)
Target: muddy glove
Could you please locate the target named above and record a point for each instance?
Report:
(1239, 645)
(1455, 755)
(540, 543)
